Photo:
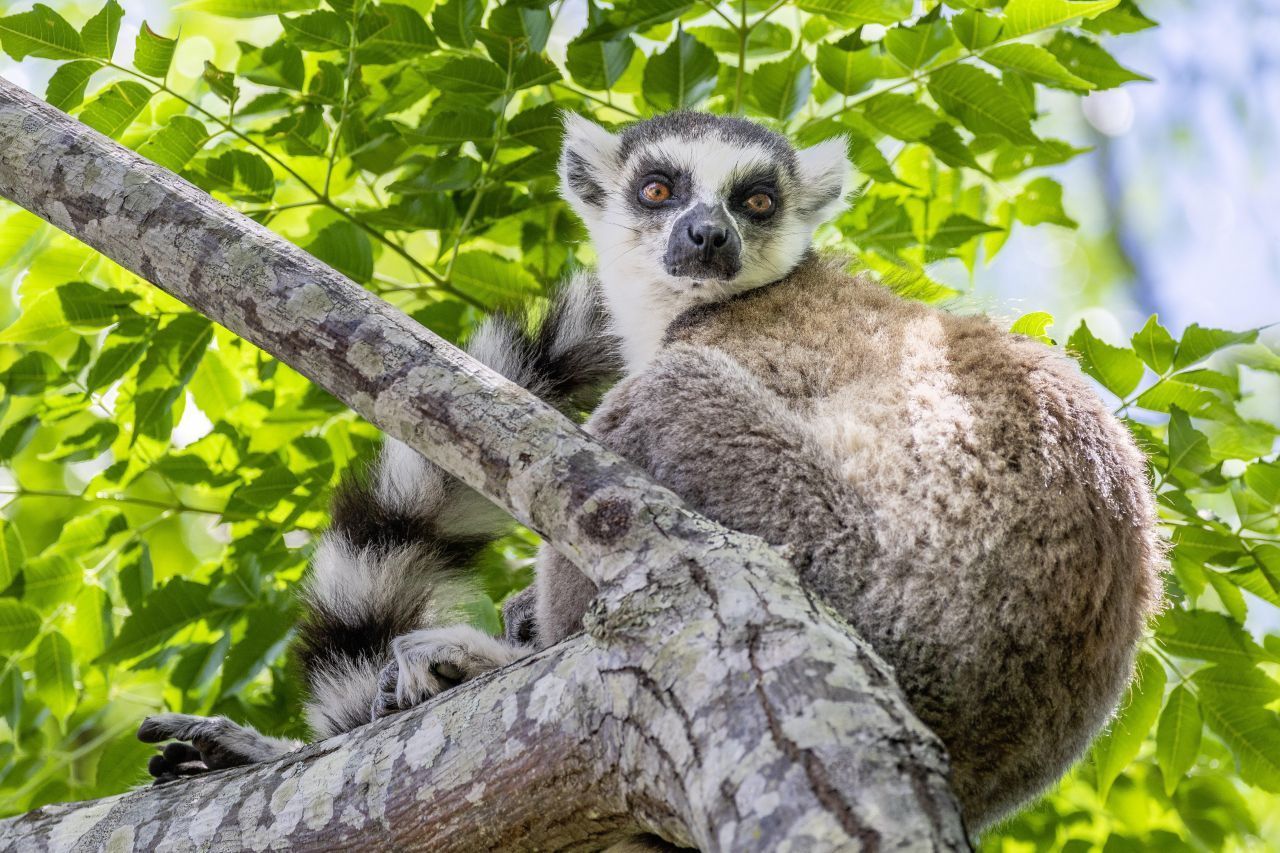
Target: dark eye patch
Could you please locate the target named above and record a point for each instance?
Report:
(743, 186)
(647, 170)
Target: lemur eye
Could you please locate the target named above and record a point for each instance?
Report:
(759, 204)
(655, 192)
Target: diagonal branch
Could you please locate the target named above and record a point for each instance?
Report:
(725, 708)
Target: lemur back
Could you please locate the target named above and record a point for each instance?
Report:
(957, 493)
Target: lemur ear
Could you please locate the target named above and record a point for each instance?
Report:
(588, 161)
(824, 175)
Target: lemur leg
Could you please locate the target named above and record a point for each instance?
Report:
(430, 661)
(202, 744)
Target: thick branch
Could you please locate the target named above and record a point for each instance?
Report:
(726, 709)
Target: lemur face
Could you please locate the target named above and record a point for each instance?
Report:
(690, 207)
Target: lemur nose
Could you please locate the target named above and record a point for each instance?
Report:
(708, 233)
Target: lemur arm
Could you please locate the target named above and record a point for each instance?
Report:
(696, 413)
(398, 539)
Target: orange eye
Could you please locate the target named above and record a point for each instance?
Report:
(656, 192)
(760, 203)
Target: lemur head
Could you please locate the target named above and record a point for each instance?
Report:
(688, 208)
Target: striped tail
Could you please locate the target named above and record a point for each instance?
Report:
(404, 536)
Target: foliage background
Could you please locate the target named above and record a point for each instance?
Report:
(163, 481)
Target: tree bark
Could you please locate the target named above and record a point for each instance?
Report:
(711, 701)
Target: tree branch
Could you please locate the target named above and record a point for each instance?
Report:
(711, 701)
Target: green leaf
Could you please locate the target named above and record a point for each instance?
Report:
(41, 33)
(599, 64)
(917, 45)
(221, 82)
(100, 32)
(165, 612)
(1247, 684)
(1125, 18)
(345, 247)
(390, 33)
(454, 127)
(67, 85)
(1033, 325)
(630, 16)
(781, 88)
(12, 554)
(111, 112)
(1188, 447)
(1251, 732)
(958, 229)
(248, 8)
(262, 643)
(83, 304)
(681, 76)
(469, 75)
(115, 361)
(1040, 202)
(153, 52)
(855, 13)
(1154, 345)
(1084, 58)
(1203, 635)
(533, 69)
(320, 31)
(176, 143)
(55, 674)
(19, 624)
(766, 39)
(1198, 343)
(1117, 748)
(1119, 370)
(30, 375)
(1178, 737)
(455, 21)
(900, 116)
(1035, 63)
(240, 174)
(1029, 16)
(174, 354)
(263, 492)
(492, 279)
(849, 71)
(1264, 479)
(975, 29)
(1163, 396)
(539, 127)
(278, 64)
(981, 103)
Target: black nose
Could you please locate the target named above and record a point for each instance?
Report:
(704, 244)
(708, 236)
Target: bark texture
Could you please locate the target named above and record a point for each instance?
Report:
(711, 701)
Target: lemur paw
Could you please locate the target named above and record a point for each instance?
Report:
(428, 662)
(213, 743)
(520, 616)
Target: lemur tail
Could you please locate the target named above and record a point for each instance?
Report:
(403, 537)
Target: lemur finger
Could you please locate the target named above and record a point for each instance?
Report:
(177, 752)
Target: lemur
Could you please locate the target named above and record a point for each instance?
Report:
(959, 494)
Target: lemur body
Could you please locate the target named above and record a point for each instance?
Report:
(957, 493)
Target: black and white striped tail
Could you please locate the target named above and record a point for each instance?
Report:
(404, 536)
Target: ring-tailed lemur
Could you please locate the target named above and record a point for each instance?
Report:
(959, 494)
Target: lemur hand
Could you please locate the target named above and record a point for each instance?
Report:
(428, 662)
